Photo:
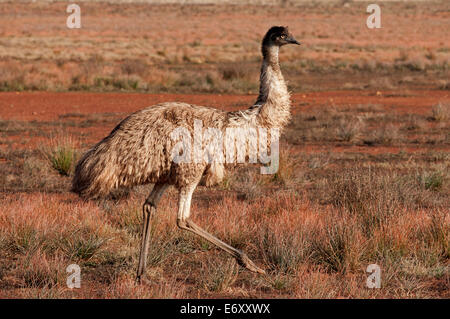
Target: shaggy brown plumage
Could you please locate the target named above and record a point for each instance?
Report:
(139, 149)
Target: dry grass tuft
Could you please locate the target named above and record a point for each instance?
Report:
(349, 130)
(441, 112)
(338, 246)
(219, 275)
(39, 270)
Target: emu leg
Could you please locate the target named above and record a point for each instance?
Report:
(185, 223)
(149, 210)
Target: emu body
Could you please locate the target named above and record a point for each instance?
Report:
(139, 149)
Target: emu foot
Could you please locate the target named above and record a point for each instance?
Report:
(141, 280)
(244, 261)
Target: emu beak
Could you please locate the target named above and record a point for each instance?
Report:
(292, 40)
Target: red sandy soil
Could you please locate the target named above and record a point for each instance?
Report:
(43, 106)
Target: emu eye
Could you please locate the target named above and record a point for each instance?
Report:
(283, 36)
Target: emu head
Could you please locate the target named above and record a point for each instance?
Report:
(278, 36)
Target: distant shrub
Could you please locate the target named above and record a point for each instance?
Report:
(441, 112)
(134, 66)
(348, 130)
(114, 83)
(235, 71)
(385, 135)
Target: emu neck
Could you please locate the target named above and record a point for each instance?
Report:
(273, 100)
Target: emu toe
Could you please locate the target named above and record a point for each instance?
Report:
(246, 262)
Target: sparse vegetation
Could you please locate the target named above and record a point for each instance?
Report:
(137, 60)
(348, 130)
(441, 112)
(323, 215)
(363, 175)
(219, 275)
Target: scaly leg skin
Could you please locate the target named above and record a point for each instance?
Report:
(149, 210)
(185, 223)
(148, 213)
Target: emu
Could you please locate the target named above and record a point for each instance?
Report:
(138, 149)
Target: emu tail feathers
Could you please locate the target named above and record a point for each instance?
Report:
(95, 175)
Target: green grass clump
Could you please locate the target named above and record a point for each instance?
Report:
(61, 156)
